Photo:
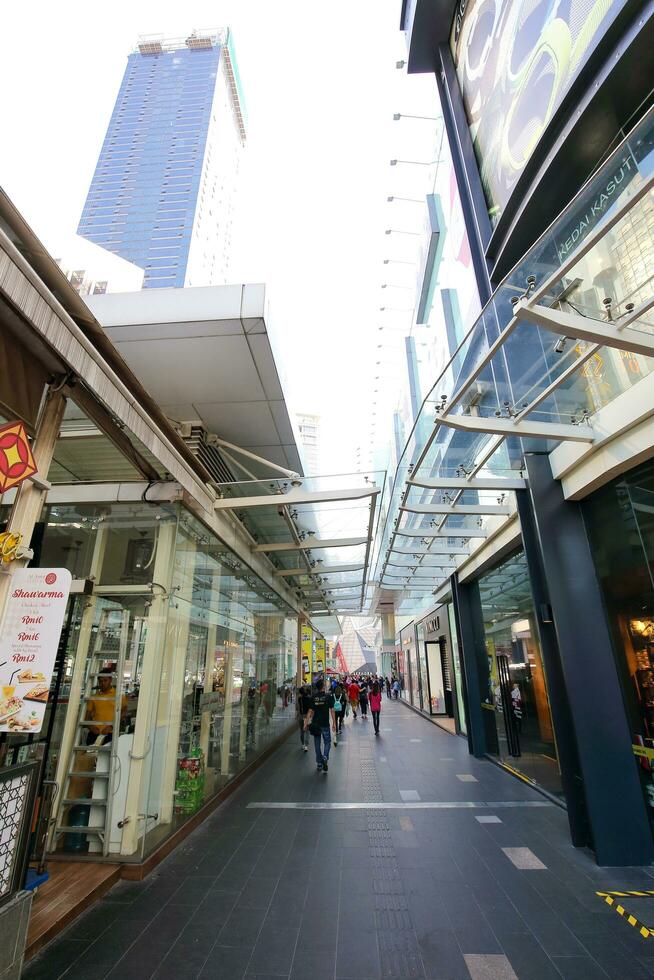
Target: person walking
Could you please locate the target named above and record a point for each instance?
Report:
(396, 689)
(302, 705)
(388, 688)
(375, 705)
(353, 695)
(318, 720)
(339, 710)
(363, 700)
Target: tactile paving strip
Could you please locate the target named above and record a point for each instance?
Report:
(399, 953)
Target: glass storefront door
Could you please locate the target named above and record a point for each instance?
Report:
(434, 652)
(402, 672)
(517, 682)
(414, 689)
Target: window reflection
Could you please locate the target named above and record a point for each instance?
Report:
(517, 686)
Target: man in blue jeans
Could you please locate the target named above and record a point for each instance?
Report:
(319, 716)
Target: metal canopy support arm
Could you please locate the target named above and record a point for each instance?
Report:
(366, 560)
(454, 509)
(309, 543)
(607, 333)
(454, 532)
(291, 474)
(295, 496)
(526, 429)
(326, 587)
(323, 570)
(429, 550)
(462, 483)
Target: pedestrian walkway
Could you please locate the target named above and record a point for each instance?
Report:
(408, 859)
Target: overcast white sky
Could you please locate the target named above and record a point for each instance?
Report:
(321, 87)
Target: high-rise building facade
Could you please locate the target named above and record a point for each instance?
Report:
(163, 191)
(309, 427)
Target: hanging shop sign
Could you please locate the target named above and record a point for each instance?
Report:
(16, 459)
(319, 656)
(583, 224)
(306, 652)
(29, 640)
(434, 625)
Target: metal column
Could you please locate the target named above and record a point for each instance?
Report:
(566, 744)
(482, 734)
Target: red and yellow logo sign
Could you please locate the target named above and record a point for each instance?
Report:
(16, 460)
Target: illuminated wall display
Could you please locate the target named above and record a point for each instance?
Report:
(515, 61)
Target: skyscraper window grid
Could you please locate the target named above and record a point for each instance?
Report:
(163, 191)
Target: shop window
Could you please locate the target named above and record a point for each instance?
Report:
(620, 523)
(517, 685)
(202, 658)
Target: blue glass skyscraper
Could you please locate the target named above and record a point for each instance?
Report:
(163, 189)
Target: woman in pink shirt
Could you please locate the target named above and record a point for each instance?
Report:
(375, 705)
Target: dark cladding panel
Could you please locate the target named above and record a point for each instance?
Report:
(426, 24)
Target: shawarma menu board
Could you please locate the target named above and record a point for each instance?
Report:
(29, 638)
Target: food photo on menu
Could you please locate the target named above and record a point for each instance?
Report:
(15, 697)
(30, 676)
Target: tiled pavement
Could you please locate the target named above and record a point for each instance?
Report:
(367, 893)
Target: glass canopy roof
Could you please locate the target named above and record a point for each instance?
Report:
(316, 531)
(570, 329)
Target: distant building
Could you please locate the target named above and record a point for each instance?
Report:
(309, 428)
(358, 644)
(92, 270)
(164, 187)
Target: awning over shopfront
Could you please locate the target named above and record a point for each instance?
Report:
(206, 355)
(569, 331)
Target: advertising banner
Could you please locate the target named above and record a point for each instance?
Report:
(319, 656)
(306, 652)
(516, 62)
(28, 645)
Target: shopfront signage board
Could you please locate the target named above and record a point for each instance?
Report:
(16, 459)
(319, 662)
(306, 652)
(29, 639)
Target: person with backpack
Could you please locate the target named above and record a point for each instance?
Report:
(375, 705)
(339, 710)
(317, 721)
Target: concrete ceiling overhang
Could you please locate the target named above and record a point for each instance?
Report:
(205, 355)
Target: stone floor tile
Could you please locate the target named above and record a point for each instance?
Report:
(485, 966)
(367, 893)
